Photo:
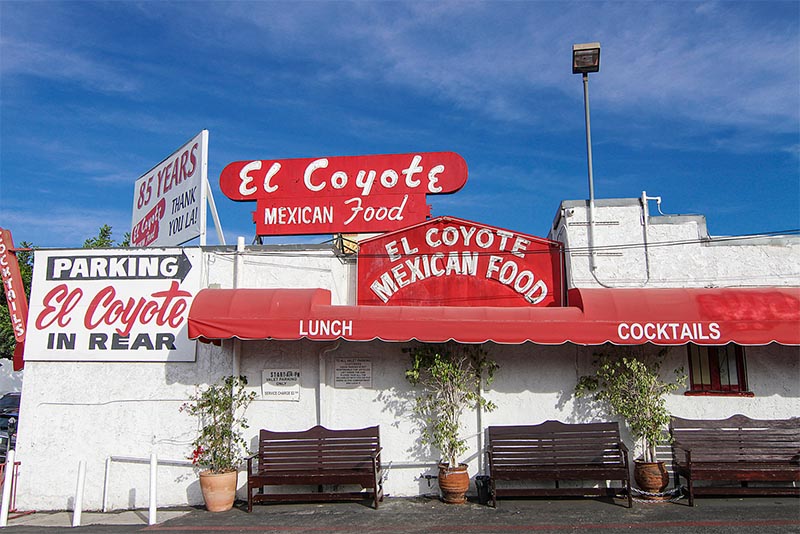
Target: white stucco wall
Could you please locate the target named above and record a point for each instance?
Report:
(632, 248)
(91, 411)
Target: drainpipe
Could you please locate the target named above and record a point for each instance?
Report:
(323, 384)
(480, 430)
(645, 230)
(237, 281)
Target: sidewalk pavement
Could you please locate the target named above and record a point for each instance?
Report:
(424, 515)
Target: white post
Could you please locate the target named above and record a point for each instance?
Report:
(213, 206)
(8, 477)
(76, 516)
(204, 187)
(105, 484)
(153, 480)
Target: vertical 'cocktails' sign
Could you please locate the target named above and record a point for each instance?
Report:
(112, 305)
(347, 194)
(15, 294)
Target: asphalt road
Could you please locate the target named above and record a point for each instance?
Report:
(751, 515)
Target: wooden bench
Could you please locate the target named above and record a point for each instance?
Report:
(554, 452)
(316, 457)
(737, 449)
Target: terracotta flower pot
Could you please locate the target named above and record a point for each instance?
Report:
(651, 477)
(219, 490)
(454, 483)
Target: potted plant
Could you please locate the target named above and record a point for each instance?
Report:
(219, 447)
(450, 377)
(631, 386)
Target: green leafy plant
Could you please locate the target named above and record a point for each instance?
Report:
(451, 377)
(631, 386)
(220, 407)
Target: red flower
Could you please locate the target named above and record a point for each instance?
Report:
(196, 454)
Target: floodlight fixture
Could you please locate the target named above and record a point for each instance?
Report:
(585, 58)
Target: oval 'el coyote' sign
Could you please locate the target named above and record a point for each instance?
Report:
(345, 194)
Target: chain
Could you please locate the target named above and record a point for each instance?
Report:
(666, 496)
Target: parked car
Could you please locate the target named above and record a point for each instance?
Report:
(8, 433)
(10, 402)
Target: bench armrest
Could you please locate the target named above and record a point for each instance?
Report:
(687, 451)
(376, 459)
(249, 460)
(625, 454)
(677, 444)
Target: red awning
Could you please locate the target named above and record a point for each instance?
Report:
(751, 316)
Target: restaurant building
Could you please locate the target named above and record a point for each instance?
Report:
(118, 339)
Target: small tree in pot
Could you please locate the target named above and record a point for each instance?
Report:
(630, 385)
(219, 446)
(451, 377)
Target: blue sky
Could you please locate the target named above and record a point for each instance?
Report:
(697, 102)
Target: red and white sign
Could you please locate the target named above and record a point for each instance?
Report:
(169, 200)
(346, 194)
(112, 305)
(452, 262)
(15, 294)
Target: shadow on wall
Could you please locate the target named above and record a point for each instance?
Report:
(193, 493)
(772, 370)
(400, 404)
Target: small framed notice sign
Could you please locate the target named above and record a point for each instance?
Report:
(280, 384)
(352, 373)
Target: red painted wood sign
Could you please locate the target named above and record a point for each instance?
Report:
(16, 299)
(347, 194)
(452, 262)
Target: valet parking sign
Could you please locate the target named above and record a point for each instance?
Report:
(112, 305)
(169, 200)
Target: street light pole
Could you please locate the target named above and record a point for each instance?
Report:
(586, 59)
(588, 136)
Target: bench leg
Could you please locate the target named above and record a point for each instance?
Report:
(630, 494)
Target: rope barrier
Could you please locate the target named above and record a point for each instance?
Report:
(656, 498)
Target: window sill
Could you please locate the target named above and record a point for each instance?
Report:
(719, 394)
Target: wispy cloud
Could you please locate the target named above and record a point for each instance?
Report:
(42, 60)
(48, 225)
(716, 63)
